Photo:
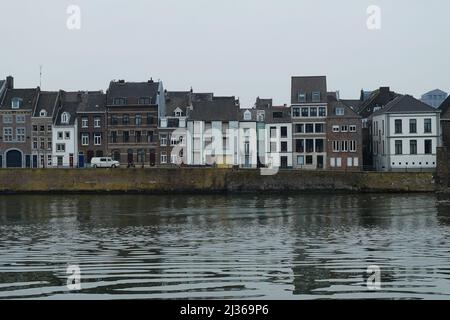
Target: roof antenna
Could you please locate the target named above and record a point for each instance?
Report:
(40, 76)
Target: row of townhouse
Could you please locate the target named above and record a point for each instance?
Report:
(141, 124)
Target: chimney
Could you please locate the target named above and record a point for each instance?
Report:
(9, 82)
(385, 90)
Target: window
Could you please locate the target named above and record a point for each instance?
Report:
(398, 147)
(309, 145)
(65, 117)
(49, 160)
(138, 119)
(138, 136)
(16, 103)
(141, 155)
(60, 135)
(35, 143)
(20, 118)
(97, 139)
(247, 115)
(60, 147)
(413, 147)
(352, 128)
(150, 136)
(125, 119)
(309, 128)
(42, 143)
(42, 128)
(284, 146)
(173, 141)
(332, 162)
(284, 132)
(277, 115)
(114, 120)
(20, 134)
(299, 145)
(412, 126)
(427, 125)
(296, 112)
(97, 122)
(60, 161)
(273, 132)
(84, 122)
(320, 128)
(113, 136)
(8, 135)
(301, 97)
(352, 147)
(309, 160)
(320, 145)
(340, 111)
(338, 162)
(119, 101)
(144, 100)
(126, 136)
(344, 146)
(7, 118)
(300, 160)
(316, 96)
(49, 143)
(163, 157)
(67, 135)
(313, 112)
(150, 118)
(398, 126)
(163, 140)
(299, 128)
(336, 146)
(305, 112)
(428, 146)
(43, 113)
(344, 128)
(335, 128)
(322, 112)
(260, 115)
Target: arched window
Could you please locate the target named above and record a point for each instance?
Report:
(65, 117)
(43, 113)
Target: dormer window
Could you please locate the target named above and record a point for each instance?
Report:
(119, 101)
(16, 103)
(65, 118)
(316, 96)
(144, 100)
(247, 115)
(178, 112)
(260, 116)
(339, 111)
(43, 113)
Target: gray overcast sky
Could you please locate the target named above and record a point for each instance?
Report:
(246, 48)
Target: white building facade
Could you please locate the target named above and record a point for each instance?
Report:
(65, 141)
(405, 135)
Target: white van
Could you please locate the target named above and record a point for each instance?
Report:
(104, 162)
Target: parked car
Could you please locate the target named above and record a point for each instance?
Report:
(104, 162)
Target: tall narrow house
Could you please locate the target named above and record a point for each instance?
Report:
(16, 108)
(309, 112)
(133, 110)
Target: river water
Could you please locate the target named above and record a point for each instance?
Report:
(313, 246)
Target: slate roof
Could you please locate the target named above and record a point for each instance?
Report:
(406, 104)
(285, 114)
(263, 103)
(220, 109)
(378, 98)
(348, 111)
(352, 103)
(28, 96)
(308, 85)
(132, 91)
(92, 101)
(445, 108)
(177, 99)
(47, 101)
(70, 103)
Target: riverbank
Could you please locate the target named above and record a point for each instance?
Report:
(208, 180)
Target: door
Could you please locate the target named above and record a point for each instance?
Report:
(81, 160)
(319, 162)
(284, 162)
(152, 158)
(14, 159)
(90, 155)
(35, 161)
(71, 160)
(130, 156)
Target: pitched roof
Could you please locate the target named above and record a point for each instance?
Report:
(445, 108)
(132, 91)
(378, 98)
(92, 101)
(28, 97)
(349, 112)
(352, 103)
(278, 114)
(221, 109)
(177, 99)
(308, 85)
(70, 103)
(47, 101)
(263, 102)
(434, 92)
(406, 104)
